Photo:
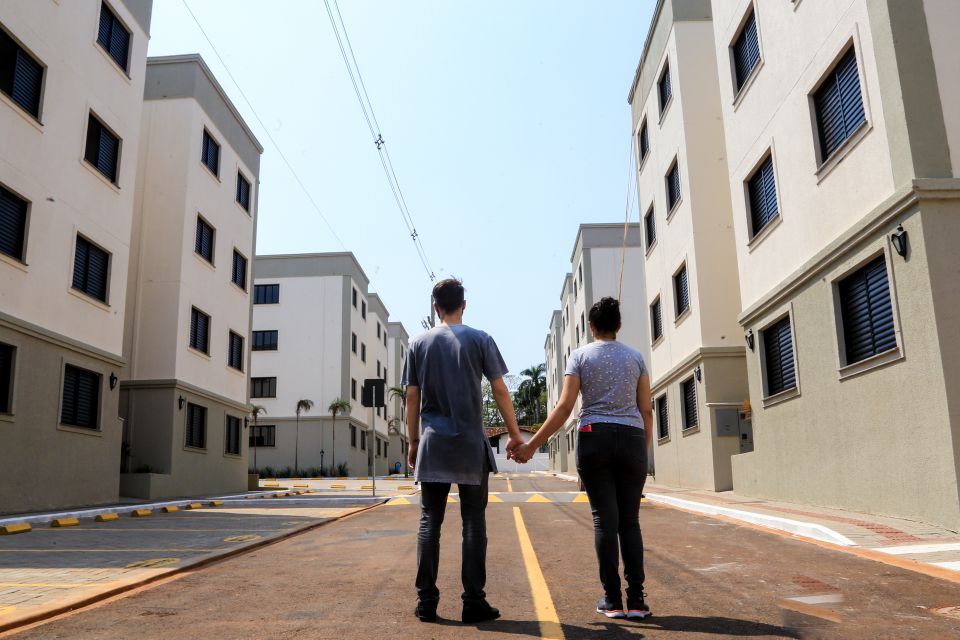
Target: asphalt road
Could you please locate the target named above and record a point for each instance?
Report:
(706, 579)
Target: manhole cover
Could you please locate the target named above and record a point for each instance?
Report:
(949, 612)
(153, 562)
(246, 538)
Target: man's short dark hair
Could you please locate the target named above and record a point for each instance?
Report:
(448, 294)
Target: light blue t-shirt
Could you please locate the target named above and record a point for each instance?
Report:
(608, 372)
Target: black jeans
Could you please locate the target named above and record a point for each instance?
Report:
(473, 506)
(612, 463)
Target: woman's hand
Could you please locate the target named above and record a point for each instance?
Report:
(523, 453)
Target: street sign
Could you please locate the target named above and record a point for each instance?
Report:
(374, 390)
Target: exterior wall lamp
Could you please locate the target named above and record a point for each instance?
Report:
(749, 338)
(180, 401)
(113, 381)
(698, 373)
(899, 240)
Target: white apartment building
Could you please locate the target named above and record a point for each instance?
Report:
(377, 358)
(842, 124)
(71, 95)
(600, 253)
(315, 337)
(698, 371)
(185, 383)
(398, 342)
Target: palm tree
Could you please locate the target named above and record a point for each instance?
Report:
(255, 411)
(534, 389)
(337, 406)
(303, 405)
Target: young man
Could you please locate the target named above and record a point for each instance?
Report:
(448, 444)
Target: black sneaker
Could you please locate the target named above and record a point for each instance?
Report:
(426, 611)
(637, 609)
(610, 608)
(479, 612)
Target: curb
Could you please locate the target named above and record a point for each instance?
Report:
(42, 616)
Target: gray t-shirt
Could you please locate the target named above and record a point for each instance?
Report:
(447, 363)
(608, 372)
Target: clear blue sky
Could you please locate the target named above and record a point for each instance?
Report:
(507, 123)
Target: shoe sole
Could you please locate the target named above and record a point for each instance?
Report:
(612, 613)
(638, 615)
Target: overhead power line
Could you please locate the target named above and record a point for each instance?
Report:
(366, 106)
(276, 146)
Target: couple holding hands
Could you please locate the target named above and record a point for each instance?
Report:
(448, 445)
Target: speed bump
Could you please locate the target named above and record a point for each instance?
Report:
(106, 517)
(338, 486)
(301, 485)
(215, 503)
(194, 505)
(16, 527)
(405, 486)
(271, 484)
(581, 498)
(141, 513)
(170, 509)
(398, 501)
(538, 498)
(493, 498)
(65, 522)
(366, 486)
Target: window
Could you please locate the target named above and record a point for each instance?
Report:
(353, 436)
(21, 76)
(91, 269)
(363, 352)
(102, 149)
(583, 323)
(239, 273)
(867, 312)
(663, 422)
(353, 342)
(384, 338)
(263, 387)
(6, 378)
(266, 294)
(378, 368)
(781, 373)
(204, 241)
(378, 447)
(664, 90)
(839, 105)
(265, 340)
(650, 228)
(81, 398)
(384, 374)
(688, 390)
(673, 186)
(196, 436)
(243, 191)
(210, 153)
(762, 190)
(681, 290)
(113, 36)
(363, 440)
(235, 352)
(354, 298)
(363, 309)
(746, 51)
(353, 388)
(378, 330)
(643, 143)
(656, 320)
(263, 436)
(578, 334)
(199, 330)
(231, 439)
(13, 224)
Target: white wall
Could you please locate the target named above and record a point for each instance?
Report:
(943, 24)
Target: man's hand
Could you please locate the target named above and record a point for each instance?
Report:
(513, 444)
(523, 453)
(412, 454)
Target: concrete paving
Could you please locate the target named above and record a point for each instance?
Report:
(707, 578)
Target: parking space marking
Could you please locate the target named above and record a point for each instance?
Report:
(542, 601)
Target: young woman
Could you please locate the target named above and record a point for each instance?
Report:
(614, 431)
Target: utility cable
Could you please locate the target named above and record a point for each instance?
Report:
(631, 182)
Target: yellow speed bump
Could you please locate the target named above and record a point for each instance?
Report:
(215, 503)
(538, 498)
(141, 513)
(65, 522)
(398, 501)
(170, 509)
(581, 497)
(342, 478)
(493, 498)
(338, 486)
(301, 485)
(16, 527)
(106, 517)
(366, 486)
(405, 486)
(194, 505)
(271, 484)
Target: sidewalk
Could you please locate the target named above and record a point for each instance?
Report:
(910, 544)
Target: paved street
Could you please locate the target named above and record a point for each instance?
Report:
(707, 578)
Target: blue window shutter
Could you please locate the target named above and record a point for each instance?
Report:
(867, 312)
(81, 391)
(665, 89)
(27, 83)
(106, 24)
(746, 51)
(119, 44)
(98, 264)
(689, 389)
(80, 258)
(780, 361)
(108, 153)
(839, 105)
(13, 224)
(763, 196)
(650, 226)
(663, 423)
(682, 291)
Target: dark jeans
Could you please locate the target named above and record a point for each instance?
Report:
(612, 463)
(473, 506)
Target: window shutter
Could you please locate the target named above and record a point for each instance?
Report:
(80, 264)
(778, 348)
(119, 43)
(673, 186)
(657, 320)
(682, 291)
(644, 142)
(108, 153)
(6, 369)
(746, 51)
(839, 105)
(651, 228)
(763, 196)
(689, 403)
(27, 83)
(665, 89)
(13, 224)
(98, 263)
(80, 397)
(867, 312)
(106, 22)
(663, 424)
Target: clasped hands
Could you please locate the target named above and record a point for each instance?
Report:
(518, 450)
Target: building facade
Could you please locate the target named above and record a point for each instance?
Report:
(70, 106)
(398, 342)
(843, 146)
(315, 338)
(185, 384)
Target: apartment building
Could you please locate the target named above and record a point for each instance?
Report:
(697, 365)
(315, 327)
(71, 94)
(398, 342)
(600, 253)
(842, 128)
(185, 384)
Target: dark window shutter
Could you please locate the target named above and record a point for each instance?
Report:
(196, 435)
(689, 389)
(663, 423)
(6, 375)
(763, 196)
(199, 330)
(80, 403)
(644, 142)
(113, 37)
(650, 226)
(839, 105)
(867, 312)
(746, 51)
(27, 83)
(236, 351)
(102, 149)
(682, 291)
(210, 153)
(91, 268)
(780, 362)
(204, 240)
(664, 88)
(232, 437)
(106, 25)
(656, 320)
(243, 191)
(13, 224)
(239, 271)
(673, 186)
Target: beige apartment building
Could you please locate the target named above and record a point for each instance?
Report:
(185, 383)
(397, 344)
(842, 122)
(697, 365)
(315, 328)
(70, 105)
(599, 253)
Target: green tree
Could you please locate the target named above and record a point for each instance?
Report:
(529, 396)
(255, 411)
(338, 406)
(303, 406)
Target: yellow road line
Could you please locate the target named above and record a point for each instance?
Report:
(542, 602)
(509, 486)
